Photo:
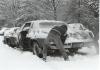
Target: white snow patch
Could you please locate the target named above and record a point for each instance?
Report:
(13, 59)
(82, 64)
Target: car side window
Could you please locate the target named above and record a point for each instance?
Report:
(26, 26)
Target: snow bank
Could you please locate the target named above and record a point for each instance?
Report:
(14, 59)
(82, 64)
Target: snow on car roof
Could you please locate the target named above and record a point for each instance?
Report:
(75, 24)
(39, 21)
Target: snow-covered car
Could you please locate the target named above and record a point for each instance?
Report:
(10, 36)
(33, 33)
(38, 30)
(77, 33)
(78, 36)
(3, 30)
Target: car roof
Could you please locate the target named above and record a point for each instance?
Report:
(75, 24)
(40, 21)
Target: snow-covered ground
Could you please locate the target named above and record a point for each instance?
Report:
(13, 59)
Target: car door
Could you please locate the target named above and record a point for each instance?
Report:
(24, 27)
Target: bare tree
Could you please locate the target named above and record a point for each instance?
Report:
(92, 5)
(50, 7)
(83, 11)
(10, 10)
(13, 10)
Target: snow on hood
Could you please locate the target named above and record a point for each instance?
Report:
(3, 30)
(11, 31)
(78, 33)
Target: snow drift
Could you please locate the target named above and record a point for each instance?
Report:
(14, 59)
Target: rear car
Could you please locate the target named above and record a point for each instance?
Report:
(78, 36)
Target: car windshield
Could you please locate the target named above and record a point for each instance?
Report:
(49, 24)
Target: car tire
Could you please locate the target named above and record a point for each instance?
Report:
(73, 51)
(36, 49)
(12, 42)
(8, 41)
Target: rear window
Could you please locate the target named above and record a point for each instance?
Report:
(76, 26)
(49, 24)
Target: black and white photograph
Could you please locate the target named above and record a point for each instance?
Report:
(49, 35)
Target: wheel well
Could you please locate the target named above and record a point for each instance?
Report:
(34, 40)
(39, 45)
(39, 41)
